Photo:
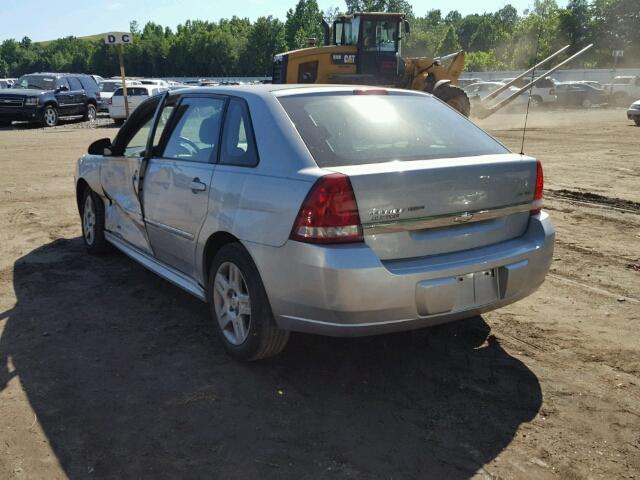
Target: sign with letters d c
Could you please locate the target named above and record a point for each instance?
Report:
(118, 38)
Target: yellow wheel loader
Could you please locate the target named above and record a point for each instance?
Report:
(365, 49)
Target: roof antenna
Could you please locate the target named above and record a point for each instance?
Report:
(533, 76)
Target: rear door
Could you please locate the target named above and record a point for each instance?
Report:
(422, 174)
(78, 95)
(178, 178)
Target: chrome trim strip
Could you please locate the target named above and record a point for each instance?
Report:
(170, 274)
(448, 219)
(349, 325)
(175, 231)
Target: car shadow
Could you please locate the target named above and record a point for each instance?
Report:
(128, 380)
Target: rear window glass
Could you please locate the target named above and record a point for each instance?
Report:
(109, 86)
(346, 129)
(132, 92)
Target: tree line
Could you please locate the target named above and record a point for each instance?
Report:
(238, 47)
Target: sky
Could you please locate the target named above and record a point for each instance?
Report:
(48, 19)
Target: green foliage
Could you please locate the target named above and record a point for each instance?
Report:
(236, 46)
(303, 23)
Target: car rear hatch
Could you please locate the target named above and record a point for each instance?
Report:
(431, 207)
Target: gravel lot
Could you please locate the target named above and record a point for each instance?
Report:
(107, 371)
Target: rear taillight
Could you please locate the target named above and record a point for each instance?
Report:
(329, 213)
(537, 193)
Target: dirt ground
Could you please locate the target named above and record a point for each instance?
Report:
(107, 371)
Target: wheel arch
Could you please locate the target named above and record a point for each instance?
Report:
(212, 246)
(81, 187)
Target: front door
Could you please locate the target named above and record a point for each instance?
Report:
(178, 178)
(64, 97)
(378, 44)
(119, 177)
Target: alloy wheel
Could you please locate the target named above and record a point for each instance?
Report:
(232, 303)
(50, 117)
(89, 221)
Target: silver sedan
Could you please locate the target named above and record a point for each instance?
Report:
(331, 210)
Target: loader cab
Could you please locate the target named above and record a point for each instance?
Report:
(376, 37)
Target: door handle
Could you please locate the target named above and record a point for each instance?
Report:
(197, 185)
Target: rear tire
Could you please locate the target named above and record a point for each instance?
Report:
(92, 219)
(240, 307)
(455, 97)
(637, 120)
(90, 113)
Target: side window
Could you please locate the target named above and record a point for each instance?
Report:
(308, 72)
(62, 82)
(138, 142)
(74, 84)
(238, 144)
(88, 84)
(195, 124)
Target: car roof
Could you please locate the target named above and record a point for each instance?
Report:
(270, 89)
(58, 74)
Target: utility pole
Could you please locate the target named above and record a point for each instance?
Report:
(119, 39)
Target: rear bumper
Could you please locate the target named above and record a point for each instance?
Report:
(117, 112)
(347, 291)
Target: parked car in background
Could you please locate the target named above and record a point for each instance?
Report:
(335, 210)
(154, 81)
(571, 94)
(135, 96)
(463, 82)
(593, 83)
(478, 91)
(107, 87)
(97, 78)
(45, 97)
(623, 89)
(5, 83)
(173, 85)
(541, 92)
(633, 113)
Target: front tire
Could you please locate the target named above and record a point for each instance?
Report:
(240, 308)
(50, 116)
(92, 215)
(455, 97)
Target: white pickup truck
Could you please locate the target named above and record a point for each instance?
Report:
(623, 90)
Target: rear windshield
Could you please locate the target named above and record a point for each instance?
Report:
(346, 129)
(110, 86)
(132, 92)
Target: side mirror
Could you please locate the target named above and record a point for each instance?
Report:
(407, 28)
(100, 147)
